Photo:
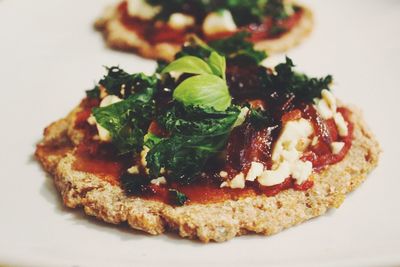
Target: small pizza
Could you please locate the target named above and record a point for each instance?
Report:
(157, 28)
(212, 146)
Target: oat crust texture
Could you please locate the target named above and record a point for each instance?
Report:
(207, 222)
(117, 36)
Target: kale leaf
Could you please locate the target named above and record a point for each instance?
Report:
(93, 93)
(259, 118)
(244, 12)
(196, 134)
(236, 48)
(299, 84)
(128, 120)
(178, 198)
(120, 83)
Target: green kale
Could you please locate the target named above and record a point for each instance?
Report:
(93, 93)
(237, 48)
(259, 118)
(133, 183)
(299, 84)
(128, 120)
(196, 134)
(276, 9)
(178, 198)
(244, 12)
(120, 83)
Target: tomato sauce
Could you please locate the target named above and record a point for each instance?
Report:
(152, 32)
(103, 160)
(160, 32)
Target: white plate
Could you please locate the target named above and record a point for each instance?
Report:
(49, 54)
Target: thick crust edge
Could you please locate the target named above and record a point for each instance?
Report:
(207, 222)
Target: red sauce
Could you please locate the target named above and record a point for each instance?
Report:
(149, 30)
(265, 30)
(246, 145)
(160, 32)
(95, 157)
(321, 155)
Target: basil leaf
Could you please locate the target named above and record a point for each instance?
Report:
(189, 64)
(217, 64)
(204, 90)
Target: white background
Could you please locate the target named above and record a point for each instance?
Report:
(49, 54)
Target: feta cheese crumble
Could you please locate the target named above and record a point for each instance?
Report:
(219, 22)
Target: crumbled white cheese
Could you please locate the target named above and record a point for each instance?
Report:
(287, 153)
(217, 22)
(140, 9)
(223, 174)
(256, 169)
(274, 177)
(323, 109)
(159, 181)
(104, 134)
(133, 170)
(179, 21)
(143, 155)
(327, 109)
(92, 120)
(329, 99)
(292, 133)
(341, 124)
(336, 147)
(163, 170)
(301, 171)
(237, 182)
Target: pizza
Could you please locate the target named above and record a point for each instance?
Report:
(212, 145)
(157, 29)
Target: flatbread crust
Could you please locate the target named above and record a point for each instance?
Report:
(117, 36)
(207, 222)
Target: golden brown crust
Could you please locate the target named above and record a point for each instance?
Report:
(118, 37)
(207, 222)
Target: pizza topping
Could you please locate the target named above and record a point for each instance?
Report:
(179, 21)
(287, 152)
(142, 10)
(224, 127)
(168, 21)
(337, 147)
(219, 22)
